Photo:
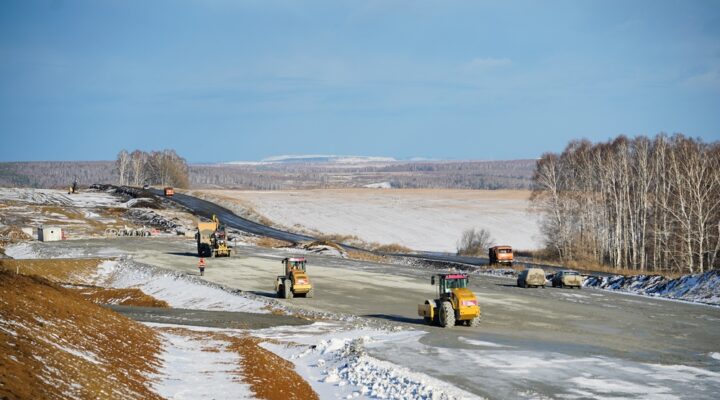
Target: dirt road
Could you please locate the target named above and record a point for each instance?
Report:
(555, 342)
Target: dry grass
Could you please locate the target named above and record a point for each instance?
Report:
(54, 344)
(391, 248)
(270, 376)
(271, 243)
(365, 256)
(70, 270)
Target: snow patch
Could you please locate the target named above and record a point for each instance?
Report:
(189, 372)
(336, 364)
(178, 290)
(698, 288)
(480, 342)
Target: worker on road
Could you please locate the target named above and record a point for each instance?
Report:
(201, 266)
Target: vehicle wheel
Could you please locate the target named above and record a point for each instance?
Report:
(310, 293)
(525, 285)
(579, 287)
(287, 291)
(280, 292)
(447, 315)
(474, 322)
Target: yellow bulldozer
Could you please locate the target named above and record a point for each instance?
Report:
(295, 281)
(456, 304)
(212, 239)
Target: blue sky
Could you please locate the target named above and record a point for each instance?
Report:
(243, 80)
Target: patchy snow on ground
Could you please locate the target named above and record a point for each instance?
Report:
(334, 360)
(90, 198)
(177, 289)
(188, 371)
(698, 288)
(422, 219)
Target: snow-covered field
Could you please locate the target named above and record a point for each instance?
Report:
(421, 219)
(85, 199)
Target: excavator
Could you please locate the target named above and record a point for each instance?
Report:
(456, 304)
(212, 239)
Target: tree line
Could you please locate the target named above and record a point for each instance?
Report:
(164, 168)
(137, 168)
(648, 204)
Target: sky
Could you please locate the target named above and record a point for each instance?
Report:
(222, 80)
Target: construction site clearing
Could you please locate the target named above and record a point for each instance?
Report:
(77, 319)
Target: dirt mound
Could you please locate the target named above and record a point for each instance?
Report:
(54, 344)
(66, 270)
(13, 234)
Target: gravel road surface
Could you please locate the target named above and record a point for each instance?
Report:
(558, 343)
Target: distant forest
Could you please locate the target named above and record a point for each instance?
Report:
(515, 174)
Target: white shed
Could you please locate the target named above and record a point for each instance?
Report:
(49, 234)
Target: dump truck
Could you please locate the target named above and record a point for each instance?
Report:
(169, 192)
(295, 281)
(456, 304)
(212, 239)
(501, 255)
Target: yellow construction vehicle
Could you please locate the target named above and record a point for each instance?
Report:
(212, 239)
(456, 304)
(295, 281)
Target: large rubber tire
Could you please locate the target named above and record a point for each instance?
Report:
(280, 292)
(447, 314)
(474, 322)
(287, 289)
(310, 293)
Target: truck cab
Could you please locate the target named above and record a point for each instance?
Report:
(501, 255)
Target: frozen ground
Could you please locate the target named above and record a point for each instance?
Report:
(422, 219)
(698, 288)
(190, 371)
(61, 198)
(532, 343)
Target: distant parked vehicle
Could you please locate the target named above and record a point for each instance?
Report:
(567, 279)
(501, 255)
(531, 277)
(169, 192)
(146, 187)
